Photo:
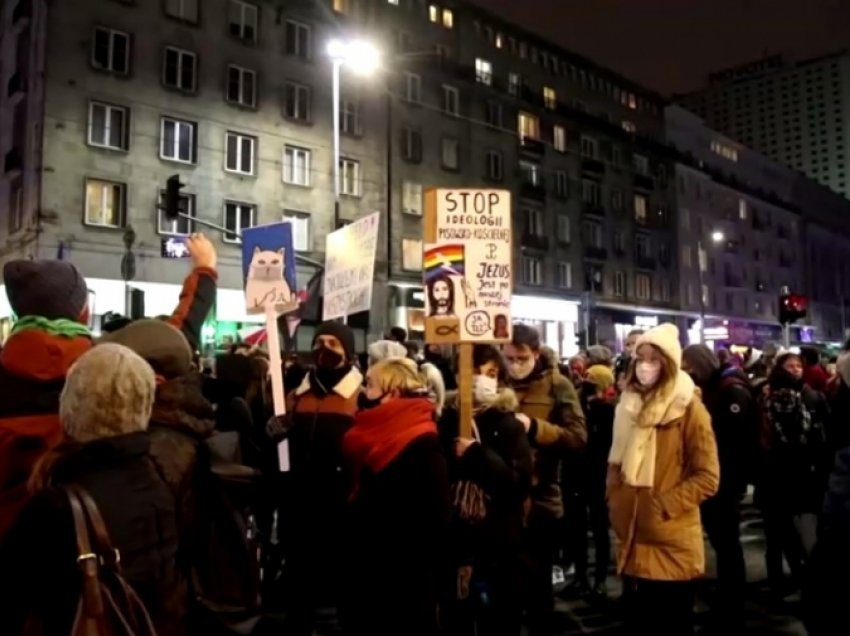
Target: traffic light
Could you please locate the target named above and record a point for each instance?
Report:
(135, 303)
(172, 197)
(792, 307)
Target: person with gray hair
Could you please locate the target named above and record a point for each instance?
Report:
(104, 410)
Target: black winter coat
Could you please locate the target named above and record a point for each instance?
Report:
(38, 569)
(396, 544)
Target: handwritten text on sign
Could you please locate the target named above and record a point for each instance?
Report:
(468, 266)
(350, 268)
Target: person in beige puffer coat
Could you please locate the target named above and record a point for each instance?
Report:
(663, 463)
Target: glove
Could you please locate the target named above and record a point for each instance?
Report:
(277, 427)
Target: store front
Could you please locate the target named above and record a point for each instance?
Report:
(556, 320)
(745, 334)
(613, 326)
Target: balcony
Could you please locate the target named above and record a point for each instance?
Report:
(645, 262)
(532, 146)
(593, 166)
(596, 253)
(535, 241)
(593, 209)
(13, 162)
(642, 182)
(533, 190)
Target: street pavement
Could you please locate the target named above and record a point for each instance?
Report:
(763, 617)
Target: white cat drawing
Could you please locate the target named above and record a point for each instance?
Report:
(266, 283)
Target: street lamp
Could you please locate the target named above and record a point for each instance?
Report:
(363, 59)
(716, 237)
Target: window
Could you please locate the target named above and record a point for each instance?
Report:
(111, 51)
(533, 222)
(742, 209)
(411, 144)
(413, 87)
(562, 184)
(411, 198)
(449, 153)
(349, 172)
(514, 84)
(448, 18)
(179, 140)
(592, 234)
(619, 242)
(594, 277)
(616, 199)
(550, 98)
(666, 292)
(641, 164)
(494, 114)
(297, 101)
(616, 156)
(619, 283)
(643, 286)
(239, 153)
(532, 271)
(238, 217)
(296, 166)
(241, 86)
(495, 165)
(629, 127)
(342, 6)
(105, 203)
(483, 71)
(641, 215)
(350, 121)
(591, 192)
(434, 13)
(243, 20)
(451, 100)
(411, 254)
(528, 125)
(179, 69)
(530, 172)
(562, 229)
(559, 138)
(186, 10)
(643, 246)
(589, 147)
(687, 256)
(180, 226)
(108, 126)
(16, 205)
(298, 40)
(565, 275)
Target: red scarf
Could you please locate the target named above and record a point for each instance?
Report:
(379, 435)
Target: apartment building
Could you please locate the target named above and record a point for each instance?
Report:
(101, 103)
(748, 226)
(796, 113)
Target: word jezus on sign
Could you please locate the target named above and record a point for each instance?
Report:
(350, 268)
(468, 272)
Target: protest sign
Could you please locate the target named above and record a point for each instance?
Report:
(350, 268)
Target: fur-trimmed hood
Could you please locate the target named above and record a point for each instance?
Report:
(506, 400)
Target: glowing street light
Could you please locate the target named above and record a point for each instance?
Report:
(717, 236)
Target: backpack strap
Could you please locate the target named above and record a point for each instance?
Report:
(109, 556)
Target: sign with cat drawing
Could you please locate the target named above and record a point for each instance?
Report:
(268, 266)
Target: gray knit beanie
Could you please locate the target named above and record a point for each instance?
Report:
(50, 289)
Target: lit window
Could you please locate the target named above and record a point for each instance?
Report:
(641, 212)
(550, 98)
(105, 203)
(238, 217)
(498, 40)
(514, 84)
(529, 126)
(629, 127)
(411, 199)
(448, 18)
(483, 71)
(434, 13)
(559, 138)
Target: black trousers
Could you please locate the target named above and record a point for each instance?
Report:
(539, 545)
(586, 507)
(721, 519)
(661, 608)
(782, 539)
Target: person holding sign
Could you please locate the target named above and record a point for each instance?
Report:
(551, 414)
(320, 412)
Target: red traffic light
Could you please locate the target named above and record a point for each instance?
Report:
(792, 307)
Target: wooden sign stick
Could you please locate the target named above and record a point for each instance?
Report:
(465, 389)
(275, 362)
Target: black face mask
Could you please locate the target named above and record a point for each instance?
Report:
(365, 403)
(326, 358)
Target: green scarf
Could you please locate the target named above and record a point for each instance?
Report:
(58, 327)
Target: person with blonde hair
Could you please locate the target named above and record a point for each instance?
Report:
(662, 465)
(399, 506)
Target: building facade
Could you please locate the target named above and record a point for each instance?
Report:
(103, 103)
(796, 113)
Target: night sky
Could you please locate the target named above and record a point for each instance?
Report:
(671, 45)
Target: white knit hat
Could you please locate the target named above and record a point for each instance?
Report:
(385, 350)
(666, 337)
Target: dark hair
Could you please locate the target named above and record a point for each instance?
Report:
(484, 353)
(635, 332)
(810, 356)
(399, 334)
(412, 348)
(442, 278)
(525, 336)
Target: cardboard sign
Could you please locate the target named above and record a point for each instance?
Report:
(468, 266)
(268, 268)
(350, 268)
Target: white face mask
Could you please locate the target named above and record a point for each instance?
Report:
(484, 389)
(647, 373)
(521, 370)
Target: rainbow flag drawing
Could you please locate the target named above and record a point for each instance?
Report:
(444, 260)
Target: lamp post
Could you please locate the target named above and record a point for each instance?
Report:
(716, 237)
(363, 58)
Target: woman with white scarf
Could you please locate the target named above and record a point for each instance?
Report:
(662, 465)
